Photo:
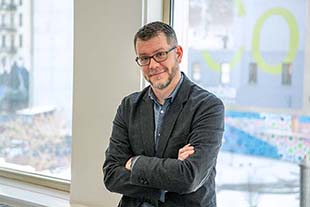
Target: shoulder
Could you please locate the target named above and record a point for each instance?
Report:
(133, 99)
(202, 95)
(198, 95)
(128, 105)
(203, 102)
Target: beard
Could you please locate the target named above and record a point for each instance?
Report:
(165, 83)
(162, 85)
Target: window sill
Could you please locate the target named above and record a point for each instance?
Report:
(20, 194)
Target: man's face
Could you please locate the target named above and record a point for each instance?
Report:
(161, 74)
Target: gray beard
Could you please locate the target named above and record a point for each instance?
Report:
(162, 85)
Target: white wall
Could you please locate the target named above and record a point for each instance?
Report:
(104, 71)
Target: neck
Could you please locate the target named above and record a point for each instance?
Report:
(162, 94)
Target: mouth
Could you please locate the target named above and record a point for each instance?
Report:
(156, 73)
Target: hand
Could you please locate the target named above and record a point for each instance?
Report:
(185, 152)
(128, 164)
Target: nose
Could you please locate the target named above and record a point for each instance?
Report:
(153, 63)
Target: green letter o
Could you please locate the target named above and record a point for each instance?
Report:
(293, 45)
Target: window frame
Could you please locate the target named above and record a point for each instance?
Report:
(37, 179)
(15, 174)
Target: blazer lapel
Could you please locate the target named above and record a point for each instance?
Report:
(147, 126)
(172, 114)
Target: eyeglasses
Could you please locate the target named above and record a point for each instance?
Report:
(158, 57)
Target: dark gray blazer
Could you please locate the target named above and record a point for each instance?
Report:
(195, 116)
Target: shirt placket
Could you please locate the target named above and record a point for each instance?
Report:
(160, 116)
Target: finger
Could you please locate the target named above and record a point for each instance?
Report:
(182, 157)
(185, 148)
(128, 164)
(185, 155)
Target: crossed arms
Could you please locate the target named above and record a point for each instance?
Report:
(184, 153)
(184, 174)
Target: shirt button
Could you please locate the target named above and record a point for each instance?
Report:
(162, 111)
(159, 134)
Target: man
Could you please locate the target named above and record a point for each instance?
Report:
(166, 138)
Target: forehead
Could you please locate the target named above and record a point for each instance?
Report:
(149, 46)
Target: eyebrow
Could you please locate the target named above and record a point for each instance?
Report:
(156, 51)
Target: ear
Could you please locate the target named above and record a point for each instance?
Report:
(179, 51)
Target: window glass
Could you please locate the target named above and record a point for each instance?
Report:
(36, 87)
(251, 54)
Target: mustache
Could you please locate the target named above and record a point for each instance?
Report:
(156, 71)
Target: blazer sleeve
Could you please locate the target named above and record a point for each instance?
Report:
(116, 176)
(186, 176)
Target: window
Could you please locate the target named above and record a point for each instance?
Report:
(252, 73)
(225, 73)
(36, 90)
(287, 74)
(3, 20)
(20, 19)
(196, 73)
(12, 20)
(12, 41)
(265, 142)
(20, 40)
(3, 43)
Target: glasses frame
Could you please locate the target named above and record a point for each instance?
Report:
(153, 56)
